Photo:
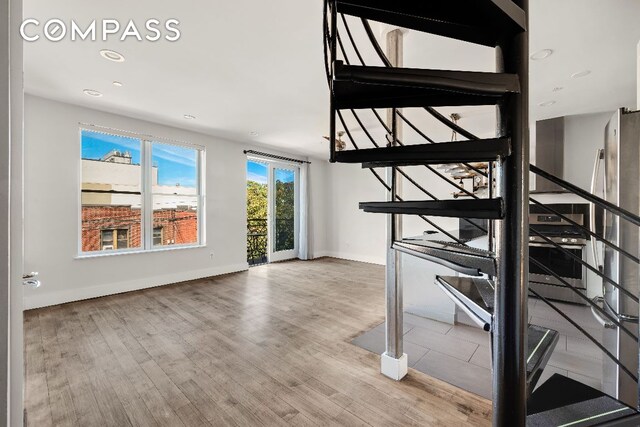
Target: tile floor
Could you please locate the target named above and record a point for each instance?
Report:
(461, 354)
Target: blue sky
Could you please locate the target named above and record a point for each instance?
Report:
(95, 145)
(258, 172)
(176, 165)
(284, 175)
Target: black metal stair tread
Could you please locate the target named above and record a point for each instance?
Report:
(358, 86)
(564, 401)
(483, 22)
(444, 152)
(474, 208)
(473, 295)
(460, 258)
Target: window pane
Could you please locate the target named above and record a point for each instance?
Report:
(107, 238)
(157, 236)
(177, 216)
(110, 162)
(284, 209)
(111, 198)
(175, 169)
(257, 204)
(123, 239)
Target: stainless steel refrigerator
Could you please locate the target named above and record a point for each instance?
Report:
(622, 188)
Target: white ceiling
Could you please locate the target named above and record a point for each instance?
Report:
(246, 65)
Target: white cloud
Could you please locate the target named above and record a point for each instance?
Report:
(180, 155)
(260, 179)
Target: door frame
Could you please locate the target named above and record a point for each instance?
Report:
(11, 212)
(272, 255)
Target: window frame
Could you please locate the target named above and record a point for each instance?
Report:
(146, 193)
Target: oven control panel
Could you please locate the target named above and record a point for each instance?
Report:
(558, 240)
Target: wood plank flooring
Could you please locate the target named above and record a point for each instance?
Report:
(265, 347)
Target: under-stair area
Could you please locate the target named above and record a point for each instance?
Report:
(460, 354)
(492, 285)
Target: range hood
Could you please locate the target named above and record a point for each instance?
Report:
(549, 153)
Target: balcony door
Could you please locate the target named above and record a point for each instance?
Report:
(272, 211)
(283, 211)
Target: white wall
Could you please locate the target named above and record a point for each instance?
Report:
(318, 208)
(52, 162)
(351, 233)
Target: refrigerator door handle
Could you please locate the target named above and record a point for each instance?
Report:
(599, 302)
(602, 303)
(592, 206)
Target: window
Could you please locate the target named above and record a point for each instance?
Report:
(114, 239)
(175, 195)
(138, 194)
(157, 236)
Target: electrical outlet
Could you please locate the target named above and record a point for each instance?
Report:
(212, 254)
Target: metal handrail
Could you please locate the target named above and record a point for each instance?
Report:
(590, 302)
(586, 230)
(586, 264)
(634, 219)
(585, 333)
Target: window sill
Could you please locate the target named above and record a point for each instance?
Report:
(137, 252)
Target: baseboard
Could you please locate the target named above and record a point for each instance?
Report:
(70, 295)
(356, 257)
(320, 254)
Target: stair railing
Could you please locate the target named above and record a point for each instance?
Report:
(329, 35)
(333, 42)
(568, 186)
(345, 57)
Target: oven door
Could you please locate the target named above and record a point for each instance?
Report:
(558, 261)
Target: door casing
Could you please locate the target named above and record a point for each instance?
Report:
(11, 212)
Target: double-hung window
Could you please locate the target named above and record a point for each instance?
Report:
(138, 193)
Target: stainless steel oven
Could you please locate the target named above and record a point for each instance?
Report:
(563, 259)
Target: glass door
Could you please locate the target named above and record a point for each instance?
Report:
(257, 212)
(283, 211)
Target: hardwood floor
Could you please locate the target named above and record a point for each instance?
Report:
(265, 347)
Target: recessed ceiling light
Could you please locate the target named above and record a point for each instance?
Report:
(254, 133)
(112, 55)
(557, 89)
(117, 84)
(580, 74)
(546, 104)
(541, 54)
(189, 117)
(93, 93)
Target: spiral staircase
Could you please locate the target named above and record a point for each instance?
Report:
(493, 287)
